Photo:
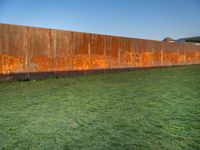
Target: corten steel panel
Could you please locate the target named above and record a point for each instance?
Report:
(134, 54)
(197, 50)
(12, 49)
(190, 54)
(98, 55)
(196, 54)
(198, 47)
(174, 54)
(115, 52)
(126, 52)
(108, 51)
(80, 49)
(144, 53)
(194, 59)
(193, 47)
(199, 53)
(40, 49)
(157, 53)
(187, 53)
(181, 54)
(62, 54)
(166, 54)
(138, 54)
(121, 50)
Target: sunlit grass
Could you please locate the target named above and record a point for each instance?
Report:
(143, 109)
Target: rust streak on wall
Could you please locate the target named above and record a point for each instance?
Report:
(29, 50)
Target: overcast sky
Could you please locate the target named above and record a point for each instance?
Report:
(148, 19)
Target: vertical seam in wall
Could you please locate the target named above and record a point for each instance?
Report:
(131, 52)
(54, 51)
(196, 52)
(89, 51)
(178, 49)
(152, 53)
(152, 56)
(185, 54)
(104, 48)
(119, 49)
(26, 56)
(162, 54)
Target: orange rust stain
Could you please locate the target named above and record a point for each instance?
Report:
(84, 62)
(41, 63)
(61, 64)
(157, 58)
(174, 58)
(166, 58)
(127, 58)
(137, 59)
(80, 62)
(114, 62)
(11, 64)
(181, 59)
(190, 57)
(196, 58)
(199, 56)
(146, 58)
(99, 61)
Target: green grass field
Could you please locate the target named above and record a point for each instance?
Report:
(142, 109)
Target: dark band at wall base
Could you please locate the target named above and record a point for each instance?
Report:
(56, 74)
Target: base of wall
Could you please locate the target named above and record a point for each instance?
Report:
(56, 74)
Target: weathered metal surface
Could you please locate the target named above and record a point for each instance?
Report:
(38, 51)
(12, 56)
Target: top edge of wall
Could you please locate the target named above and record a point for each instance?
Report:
(106, 35)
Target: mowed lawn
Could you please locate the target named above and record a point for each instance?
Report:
(141, 109)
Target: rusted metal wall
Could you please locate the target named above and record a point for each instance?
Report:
(27, 50)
